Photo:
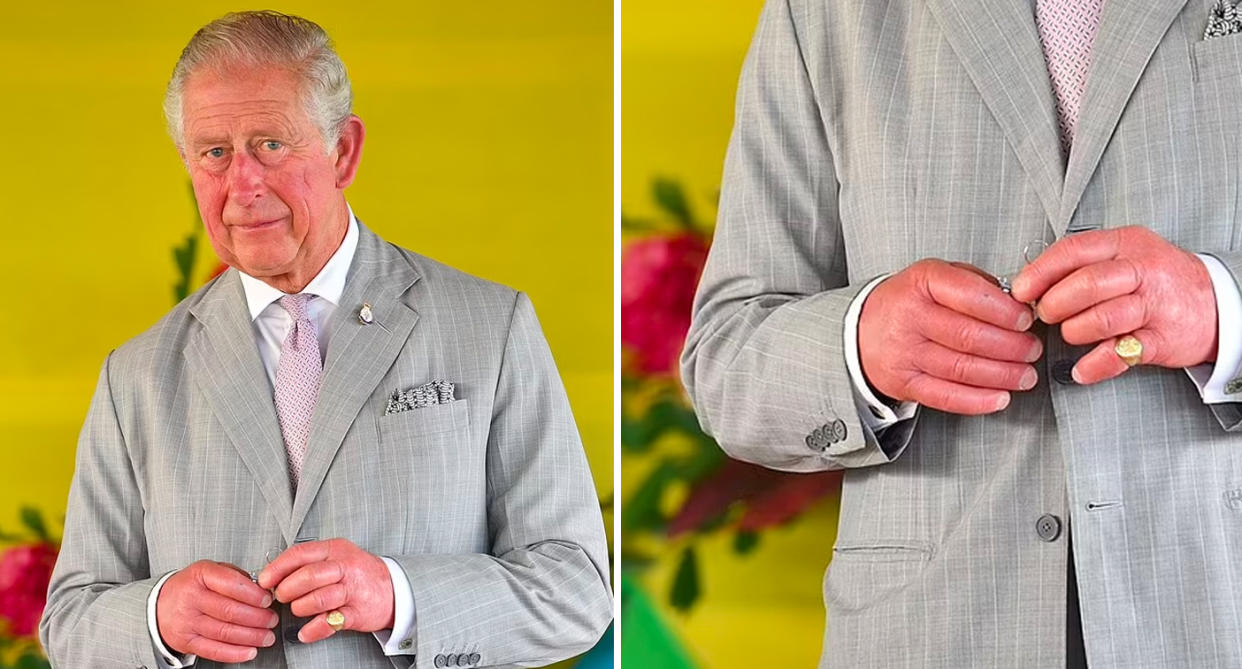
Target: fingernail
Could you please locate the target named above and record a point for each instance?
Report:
(267, 601)
(275, 620)
(269, 639)
(1026, 320)
(1029, 379)
(1074, 375)
(1036, 351)
(1002, 402)
(254, 652)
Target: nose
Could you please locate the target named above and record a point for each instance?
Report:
(245, 179)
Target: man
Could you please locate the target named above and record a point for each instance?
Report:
(335, 437)
(887, 160)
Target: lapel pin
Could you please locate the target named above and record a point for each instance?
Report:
(364, 314)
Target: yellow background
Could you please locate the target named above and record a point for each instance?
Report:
(489, 147)
(680, 63)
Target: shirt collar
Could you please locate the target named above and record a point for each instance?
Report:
(329, 283)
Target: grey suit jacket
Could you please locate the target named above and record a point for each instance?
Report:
(872, 134)
(486, 502)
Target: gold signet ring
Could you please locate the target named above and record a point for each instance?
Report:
(336, 620)
(1129, 349)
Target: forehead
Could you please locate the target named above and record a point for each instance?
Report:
(237, 98)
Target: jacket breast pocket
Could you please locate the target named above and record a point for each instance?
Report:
(435, 419)
(861, 576)
(1218, 58)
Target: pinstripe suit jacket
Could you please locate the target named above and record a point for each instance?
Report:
(871, 134)
(485, 502)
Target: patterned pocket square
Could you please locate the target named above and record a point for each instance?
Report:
(418, 397)
(1223, 20)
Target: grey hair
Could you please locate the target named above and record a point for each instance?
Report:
(259, 38)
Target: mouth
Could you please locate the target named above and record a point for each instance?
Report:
(258, 225)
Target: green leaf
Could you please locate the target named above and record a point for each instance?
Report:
(636, 435)
(9, 537)
(33, 520)
(31, 661)
(745, 542)
(671, 198)
(685, 590)
(642, 511)
(631, 224)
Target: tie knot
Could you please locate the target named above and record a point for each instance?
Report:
(295, 305)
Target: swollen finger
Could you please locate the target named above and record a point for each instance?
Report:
(956, 398)
(1102, 362)
(309, 578)
(229, 581)
(1086, 287)
(967, 335)
(1110, 319)
(322, 600)
(318, 628)
(972, 370)
(230, 633)
(230, 610)
(966, 290)
(1061, 259)
(217, 651)
(293, 559)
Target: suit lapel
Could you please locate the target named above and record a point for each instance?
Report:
(998, 45)
(224, 361)
(1129, 33)
(358, 355)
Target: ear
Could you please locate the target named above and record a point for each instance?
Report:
(349, 151)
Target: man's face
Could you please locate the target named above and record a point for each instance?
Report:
(268, 193)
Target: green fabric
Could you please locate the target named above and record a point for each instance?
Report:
(646, 641)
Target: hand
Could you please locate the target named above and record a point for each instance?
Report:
(321, 576)
(1103, 284)
(946, 336)
(214, 610)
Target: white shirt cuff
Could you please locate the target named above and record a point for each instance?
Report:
(874, 413)
(164, 657)
(1212, 379)
(400, 639)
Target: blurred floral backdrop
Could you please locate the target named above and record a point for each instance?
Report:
(723, 561)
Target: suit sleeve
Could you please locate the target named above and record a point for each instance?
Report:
(765, 361)
(1228, 408)
(96, 613)
(542, 593)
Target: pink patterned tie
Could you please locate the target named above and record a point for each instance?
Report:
(1066, 29)
(297, 382)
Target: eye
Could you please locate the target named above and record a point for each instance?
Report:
(217, 152)
(273, 145)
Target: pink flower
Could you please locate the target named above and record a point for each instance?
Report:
(658, 279)
(24, 575)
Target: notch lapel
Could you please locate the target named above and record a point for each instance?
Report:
(998, 45)
(1129, 33)
(358, 355)
(223, 360)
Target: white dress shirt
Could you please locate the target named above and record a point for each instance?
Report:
(1209, 378)
(271, 325)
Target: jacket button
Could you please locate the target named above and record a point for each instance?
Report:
(838, 429)
(1062, 372)
(810, 443)
(440, 661)
(1048, 527)
(450, 660)
(291, 634)
(475, 657)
